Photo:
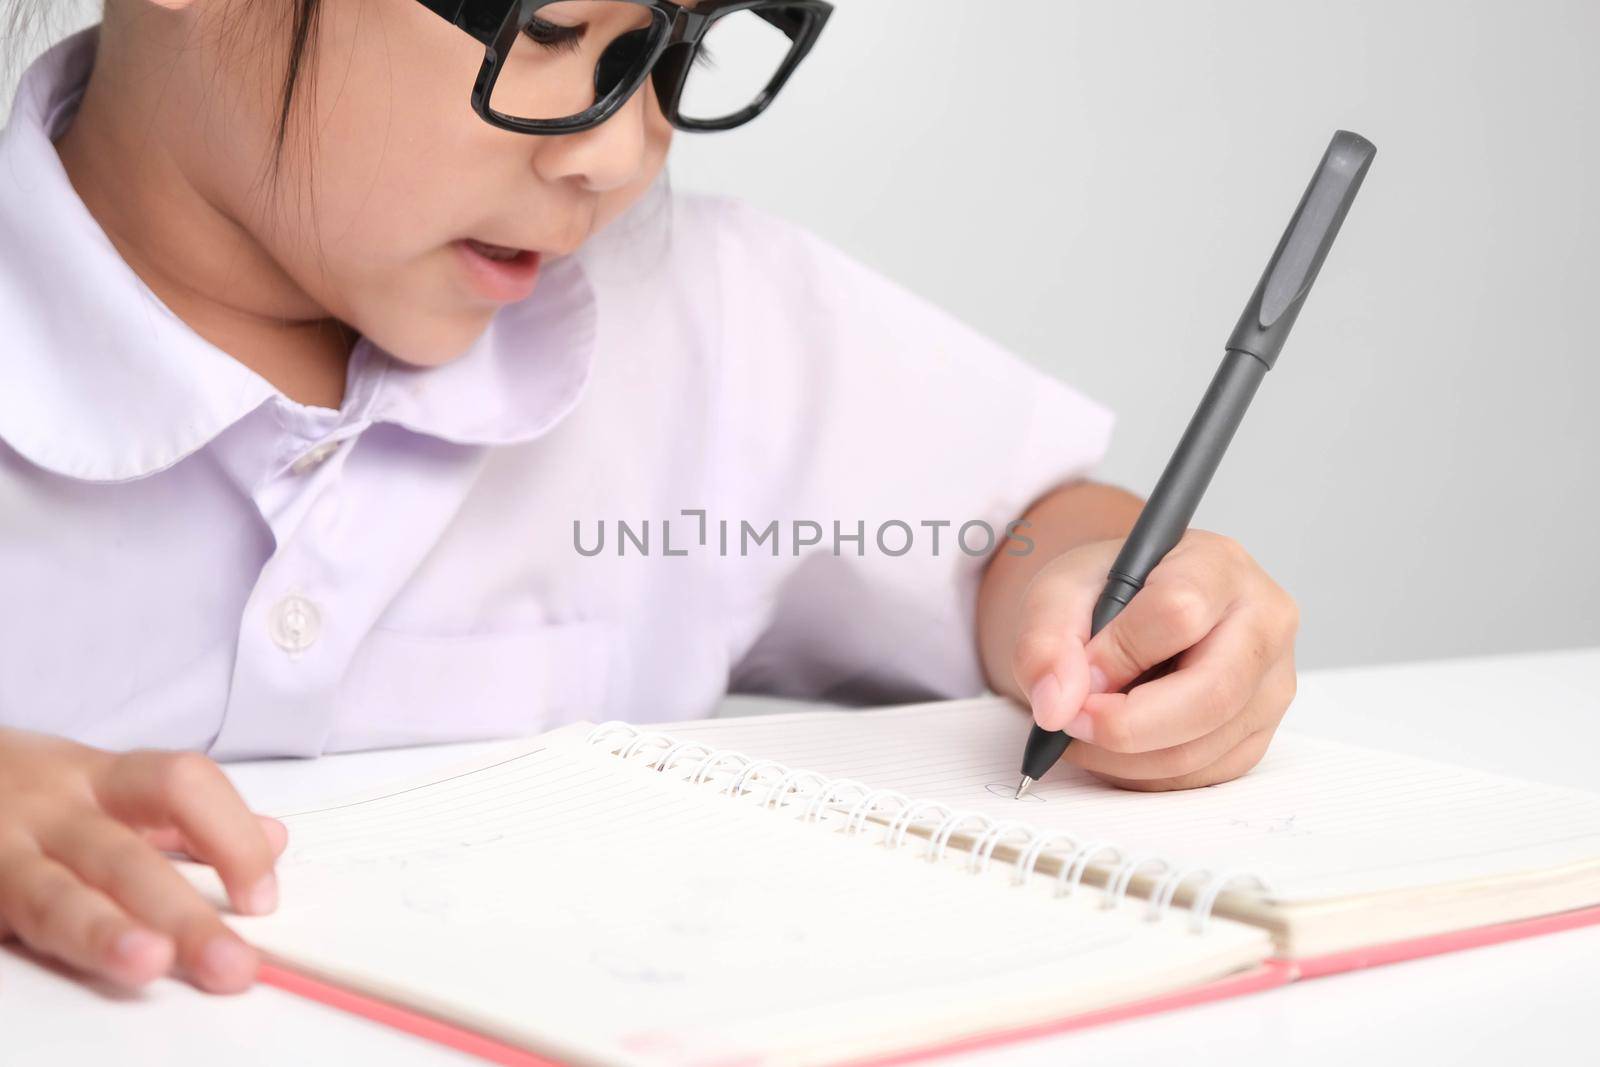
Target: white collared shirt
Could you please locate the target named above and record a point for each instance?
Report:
(190, 559)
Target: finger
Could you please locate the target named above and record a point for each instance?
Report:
(1048, 660)
(277, 834)
(54, 913)
(1184, 597)
(189, 792)
(1264, 712)
(1212, 683)
(116, 860)
(1058, 692)
(1241, 758)
(168, 839)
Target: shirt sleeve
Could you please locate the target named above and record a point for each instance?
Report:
(857, 415)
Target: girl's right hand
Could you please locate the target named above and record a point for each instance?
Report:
(82, 877)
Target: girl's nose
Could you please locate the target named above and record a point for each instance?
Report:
(605, 158)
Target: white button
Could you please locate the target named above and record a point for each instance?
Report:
(295, 624)
(314, 458)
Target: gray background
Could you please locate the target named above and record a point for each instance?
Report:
(1098, 186)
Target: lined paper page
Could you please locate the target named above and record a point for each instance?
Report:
(562, 898)
(1316, 818)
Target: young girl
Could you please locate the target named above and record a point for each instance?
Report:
(350, 401)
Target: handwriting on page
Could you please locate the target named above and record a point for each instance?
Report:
(1288, 824)
(1009, 792)
(634, 969)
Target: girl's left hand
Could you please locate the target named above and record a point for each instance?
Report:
(1184, 688)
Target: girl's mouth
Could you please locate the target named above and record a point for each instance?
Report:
(498, 273)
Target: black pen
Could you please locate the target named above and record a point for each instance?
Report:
(1251, 352)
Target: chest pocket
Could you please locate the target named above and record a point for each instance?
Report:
(407, 688)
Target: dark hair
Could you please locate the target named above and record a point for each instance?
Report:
(301, 54)
(31, 25)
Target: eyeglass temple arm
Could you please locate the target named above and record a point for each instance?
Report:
(790, 21)
(445, 9)
(479, 18)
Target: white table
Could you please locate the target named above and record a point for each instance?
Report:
(1534, 716)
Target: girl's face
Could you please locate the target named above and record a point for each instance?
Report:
(387, 170)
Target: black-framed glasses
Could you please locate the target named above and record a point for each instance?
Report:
(563, 66)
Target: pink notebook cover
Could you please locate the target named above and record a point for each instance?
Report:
(1269, 975)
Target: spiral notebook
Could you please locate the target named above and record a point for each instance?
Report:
(861, 887)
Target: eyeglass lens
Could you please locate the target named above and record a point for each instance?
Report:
(577, 52)
(740, 55)
(554, 65)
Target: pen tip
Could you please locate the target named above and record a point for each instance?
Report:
(1022, 787)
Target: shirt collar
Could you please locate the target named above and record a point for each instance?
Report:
(100, 381)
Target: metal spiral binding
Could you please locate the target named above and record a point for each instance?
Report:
(857, 803)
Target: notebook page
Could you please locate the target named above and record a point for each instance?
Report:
(1316, 818)
(561, 898)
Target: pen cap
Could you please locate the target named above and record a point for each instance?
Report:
(1270, 315)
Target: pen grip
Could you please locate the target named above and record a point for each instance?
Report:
(1113, 598)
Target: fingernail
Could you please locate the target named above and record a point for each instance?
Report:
(1098, 682)
(1081, 727)
(142, 951)
(262, 897)
(225, 960)
(1045, 699)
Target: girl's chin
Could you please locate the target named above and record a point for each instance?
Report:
(423, 339)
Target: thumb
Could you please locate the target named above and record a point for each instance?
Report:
(1059, 691)
(1049, 662)
(1166, 618)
